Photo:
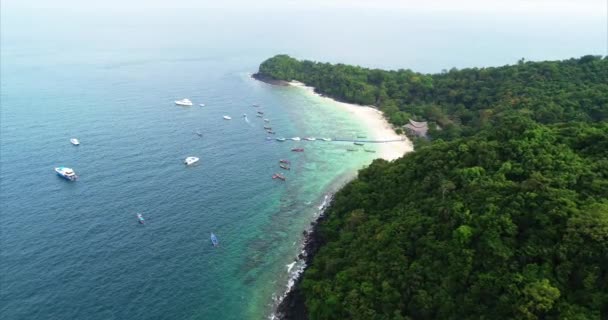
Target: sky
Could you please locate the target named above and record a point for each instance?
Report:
(546, 7)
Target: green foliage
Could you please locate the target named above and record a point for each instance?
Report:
(506, 224)
(503, 215)
(461, 102)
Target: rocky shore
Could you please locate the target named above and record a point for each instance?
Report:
(264, 78)
(293, 306)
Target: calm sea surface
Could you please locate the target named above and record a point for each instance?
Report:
(74, 250)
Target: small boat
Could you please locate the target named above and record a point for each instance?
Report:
(268, 138)
(266, 120)
(258, 115)
(326, 139)
(295, 138)
(358, 143)
(66, 173)
(198, 133)
(310, 138)
(370, 151)
(75, 141)
(281, 139)
(140, 218)
(260, 112)
(244, 115)
(270, 132)
(279, 176)
(284, 167)
(284, 161)
(191, 160)
(183, 102)
(201, 104)
(297, 149)
(361, 136)
(255, 105)
(227, 118)
(214, 240)
(351, 149)
(267, 128)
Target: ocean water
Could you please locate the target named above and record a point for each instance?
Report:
(74, 250)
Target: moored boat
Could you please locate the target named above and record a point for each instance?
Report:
(351, 149)
(270, 132)
(258, 115)
(191, 160)
(283, 166)
(267, 128)
(326, 139)
(260, 112)
(284, 161)
(297, 149)
(266, 120)
(358, 143)
(183, 102)
(66, 173)
(74, 141)
(227, 118)
(296, 139)
(279, 176)
(281, 139)
(370, 151)
(310, 138)
(214, 241)
(201, 104)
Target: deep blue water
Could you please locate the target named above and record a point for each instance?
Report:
(76, 251)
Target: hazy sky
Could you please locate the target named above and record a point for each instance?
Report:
(427, 35)
(578, 7)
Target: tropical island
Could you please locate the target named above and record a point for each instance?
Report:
(500, 213)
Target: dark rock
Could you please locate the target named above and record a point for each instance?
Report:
(268, 79)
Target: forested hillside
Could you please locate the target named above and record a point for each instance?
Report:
(504, 217)
(461, 102)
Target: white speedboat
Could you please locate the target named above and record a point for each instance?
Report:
(326, 139)
(183, 102)
(266, 120)
(227, 118)
(201, 104)
(191, 160)
(310, 138)
(75, 141)
(295, 138)
(66, 173)
(281, 139)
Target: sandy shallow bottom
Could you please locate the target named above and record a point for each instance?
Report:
(373, 119)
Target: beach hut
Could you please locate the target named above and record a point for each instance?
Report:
(417, 128)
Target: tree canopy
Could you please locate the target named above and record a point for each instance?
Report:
(461, 102)
(502, 215)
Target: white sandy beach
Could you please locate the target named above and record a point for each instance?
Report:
(375, 121)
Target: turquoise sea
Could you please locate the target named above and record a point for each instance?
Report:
(74, 250)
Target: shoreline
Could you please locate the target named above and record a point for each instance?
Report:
(291, 304)
(374, 120)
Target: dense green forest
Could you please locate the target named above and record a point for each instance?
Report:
(461, 102)
(503, 214)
